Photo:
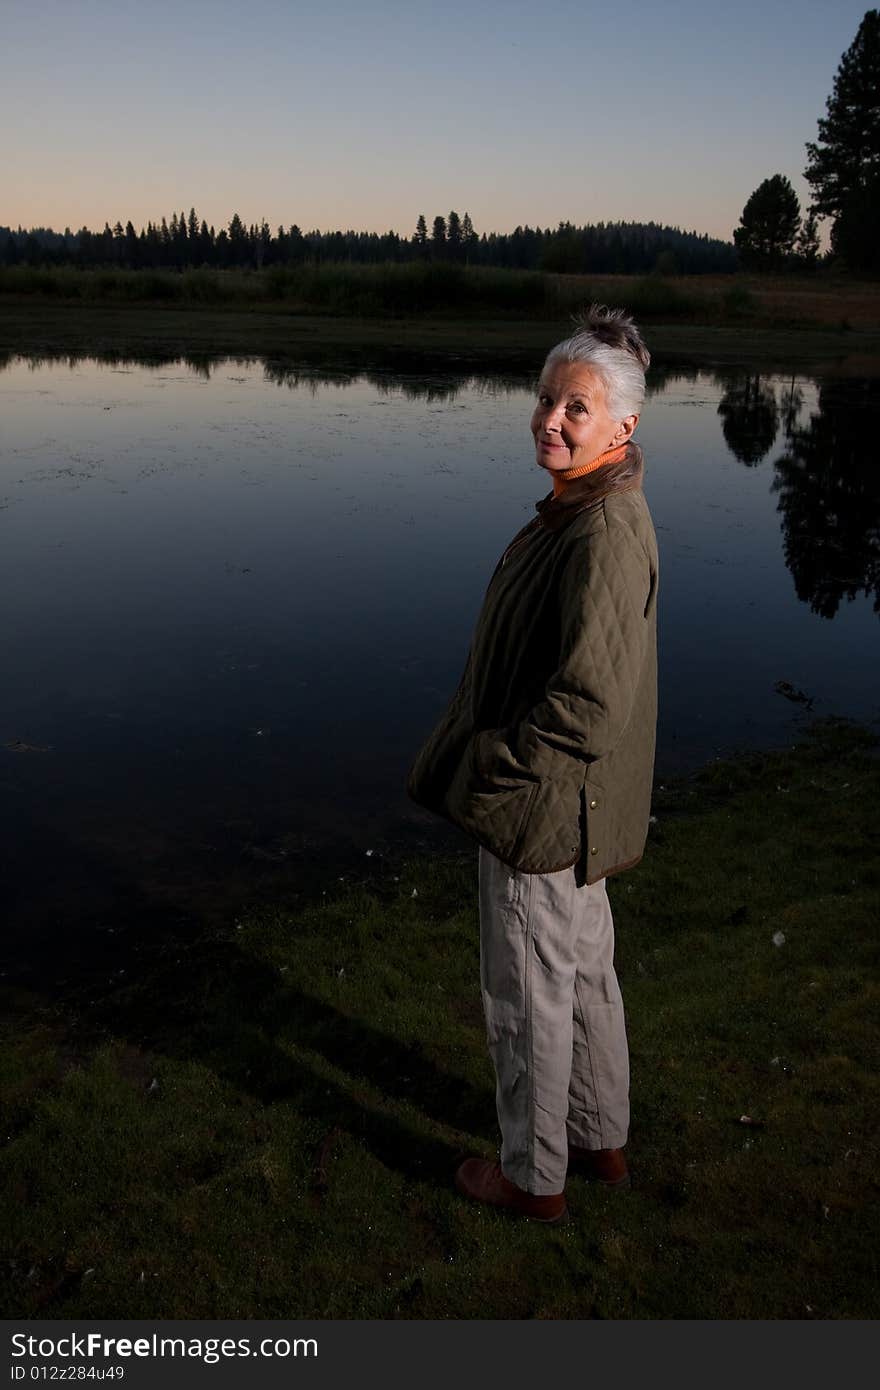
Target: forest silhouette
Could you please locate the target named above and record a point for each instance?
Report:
(187, 242)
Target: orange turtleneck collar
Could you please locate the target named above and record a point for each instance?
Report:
(568, 475)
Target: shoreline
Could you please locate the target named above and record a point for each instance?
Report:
(190, 879)
(30, 326)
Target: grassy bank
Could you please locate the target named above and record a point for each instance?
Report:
(46, 330)
(402, 317)
(364, 291)
(442, 290)
(264, 1122)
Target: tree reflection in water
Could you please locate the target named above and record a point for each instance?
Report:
(828, 484)
(749, 418)
(826, 480)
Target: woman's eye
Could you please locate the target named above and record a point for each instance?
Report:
(576, 408)
(543, 399)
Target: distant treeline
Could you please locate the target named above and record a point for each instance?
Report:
(188, 243)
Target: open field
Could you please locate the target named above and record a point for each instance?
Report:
(264, 1122)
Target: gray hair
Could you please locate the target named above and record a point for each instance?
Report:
(608, 341)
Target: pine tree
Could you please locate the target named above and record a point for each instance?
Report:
(768, 224)
(856, 234)
(132, 245)
(453, 234)
(297, 243)
(238, 247)
(847, 153)
(262, 244)
(118, 251)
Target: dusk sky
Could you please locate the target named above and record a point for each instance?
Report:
(339, 114)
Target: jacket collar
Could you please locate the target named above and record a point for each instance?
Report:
(581, 493)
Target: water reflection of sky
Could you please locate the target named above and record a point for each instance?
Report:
(250, 587)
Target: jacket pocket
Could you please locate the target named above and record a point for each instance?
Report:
(494, 813)
(550, 836)
(522, 831)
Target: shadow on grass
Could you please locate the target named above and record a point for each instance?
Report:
(314, 1174)
(162, 983)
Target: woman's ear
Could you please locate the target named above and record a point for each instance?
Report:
(624, 430)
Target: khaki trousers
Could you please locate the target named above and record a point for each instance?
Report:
(554, 1020)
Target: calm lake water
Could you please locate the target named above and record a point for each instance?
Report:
(236, 595)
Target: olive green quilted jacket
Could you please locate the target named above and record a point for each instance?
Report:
(545, 754)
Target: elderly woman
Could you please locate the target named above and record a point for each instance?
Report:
(545, 757)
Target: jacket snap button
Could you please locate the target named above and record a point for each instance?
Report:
(594, 850)
(593, 805)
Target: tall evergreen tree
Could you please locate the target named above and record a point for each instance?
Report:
(297, 243)
(847, 153)
(182, 250)
(237, 241)
(453, 234)
(153, 246)
(132, 246)
(118, 251)
(438, 236)
(856, 234)
(263, 244)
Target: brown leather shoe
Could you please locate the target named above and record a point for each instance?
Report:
(606, 1166)
(483, 1181)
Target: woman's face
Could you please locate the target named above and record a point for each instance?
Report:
(571, 424)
